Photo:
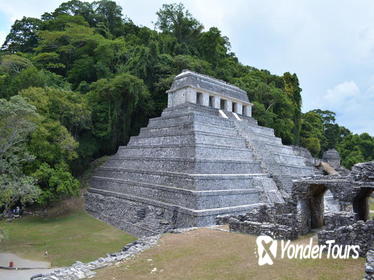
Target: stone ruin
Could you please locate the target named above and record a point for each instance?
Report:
(369, 266)
(204, 156)
(205, 160)
(305, 211)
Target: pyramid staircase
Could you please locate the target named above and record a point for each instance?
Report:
(188, 166)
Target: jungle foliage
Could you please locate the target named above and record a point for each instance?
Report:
(91, 78)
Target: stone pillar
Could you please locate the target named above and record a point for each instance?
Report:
(239, 108)
(228, 106)
(190, 95)
(248, 110)
(205, 99)
(216, 102)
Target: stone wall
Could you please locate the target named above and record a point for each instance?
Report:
(278, 221)
(339, 219)
(360, 233)
(81, 270)
(369, 267)
(363, 172)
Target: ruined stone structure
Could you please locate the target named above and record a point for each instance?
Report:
(205, 156)
(278, 221)
(332, 157)
(369, 266)
(358, 233)
(350, 224)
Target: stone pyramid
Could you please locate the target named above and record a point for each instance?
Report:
(204, 156)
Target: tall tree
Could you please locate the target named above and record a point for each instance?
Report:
(23, 35)
(312, 133)
(176, 20)
(113, 102)
(17, 121)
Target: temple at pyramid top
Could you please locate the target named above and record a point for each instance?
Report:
(204, 156)
(207, 91)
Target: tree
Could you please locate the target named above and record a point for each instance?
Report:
(176, 20)
(74, 8)
(113, 101)
(293, 90)
(333, 133)
(56, 183)
(67, 107)
(311, 134)
(356, 148)
(108, 14)
(17, 121)
(13, 64)
(51, 143)
(22, 36)
(212, 46)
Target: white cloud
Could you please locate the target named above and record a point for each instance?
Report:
(354, 107)
(341, 94)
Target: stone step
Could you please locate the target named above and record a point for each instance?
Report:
(187, 126)
(183, 180)
(199, 151)
(188, 138)
(274, 147)
(278, 158)
(286, 169)
(190, 116)
(189, 107)
(264, 140)
(186, 165)
(250, 127)
(197, 200)
(264, 137)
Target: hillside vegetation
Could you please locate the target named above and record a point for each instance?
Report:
(80, 80)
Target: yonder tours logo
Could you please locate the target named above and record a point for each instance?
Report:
(267, 250)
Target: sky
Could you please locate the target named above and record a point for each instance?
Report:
(328, 44)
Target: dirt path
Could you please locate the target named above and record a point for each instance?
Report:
(37, 267)
(21, 274)
(18, 262)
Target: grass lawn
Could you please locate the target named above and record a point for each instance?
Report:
(210, 254)
(68, 238)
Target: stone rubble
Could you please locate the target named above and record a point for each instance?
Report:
(369, 267)
(81, 270)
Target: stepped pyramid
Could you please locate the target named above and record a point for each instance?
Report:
(205, 156)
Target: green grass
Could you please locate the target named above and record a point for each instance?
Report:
(68, 238)
(206, 254)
